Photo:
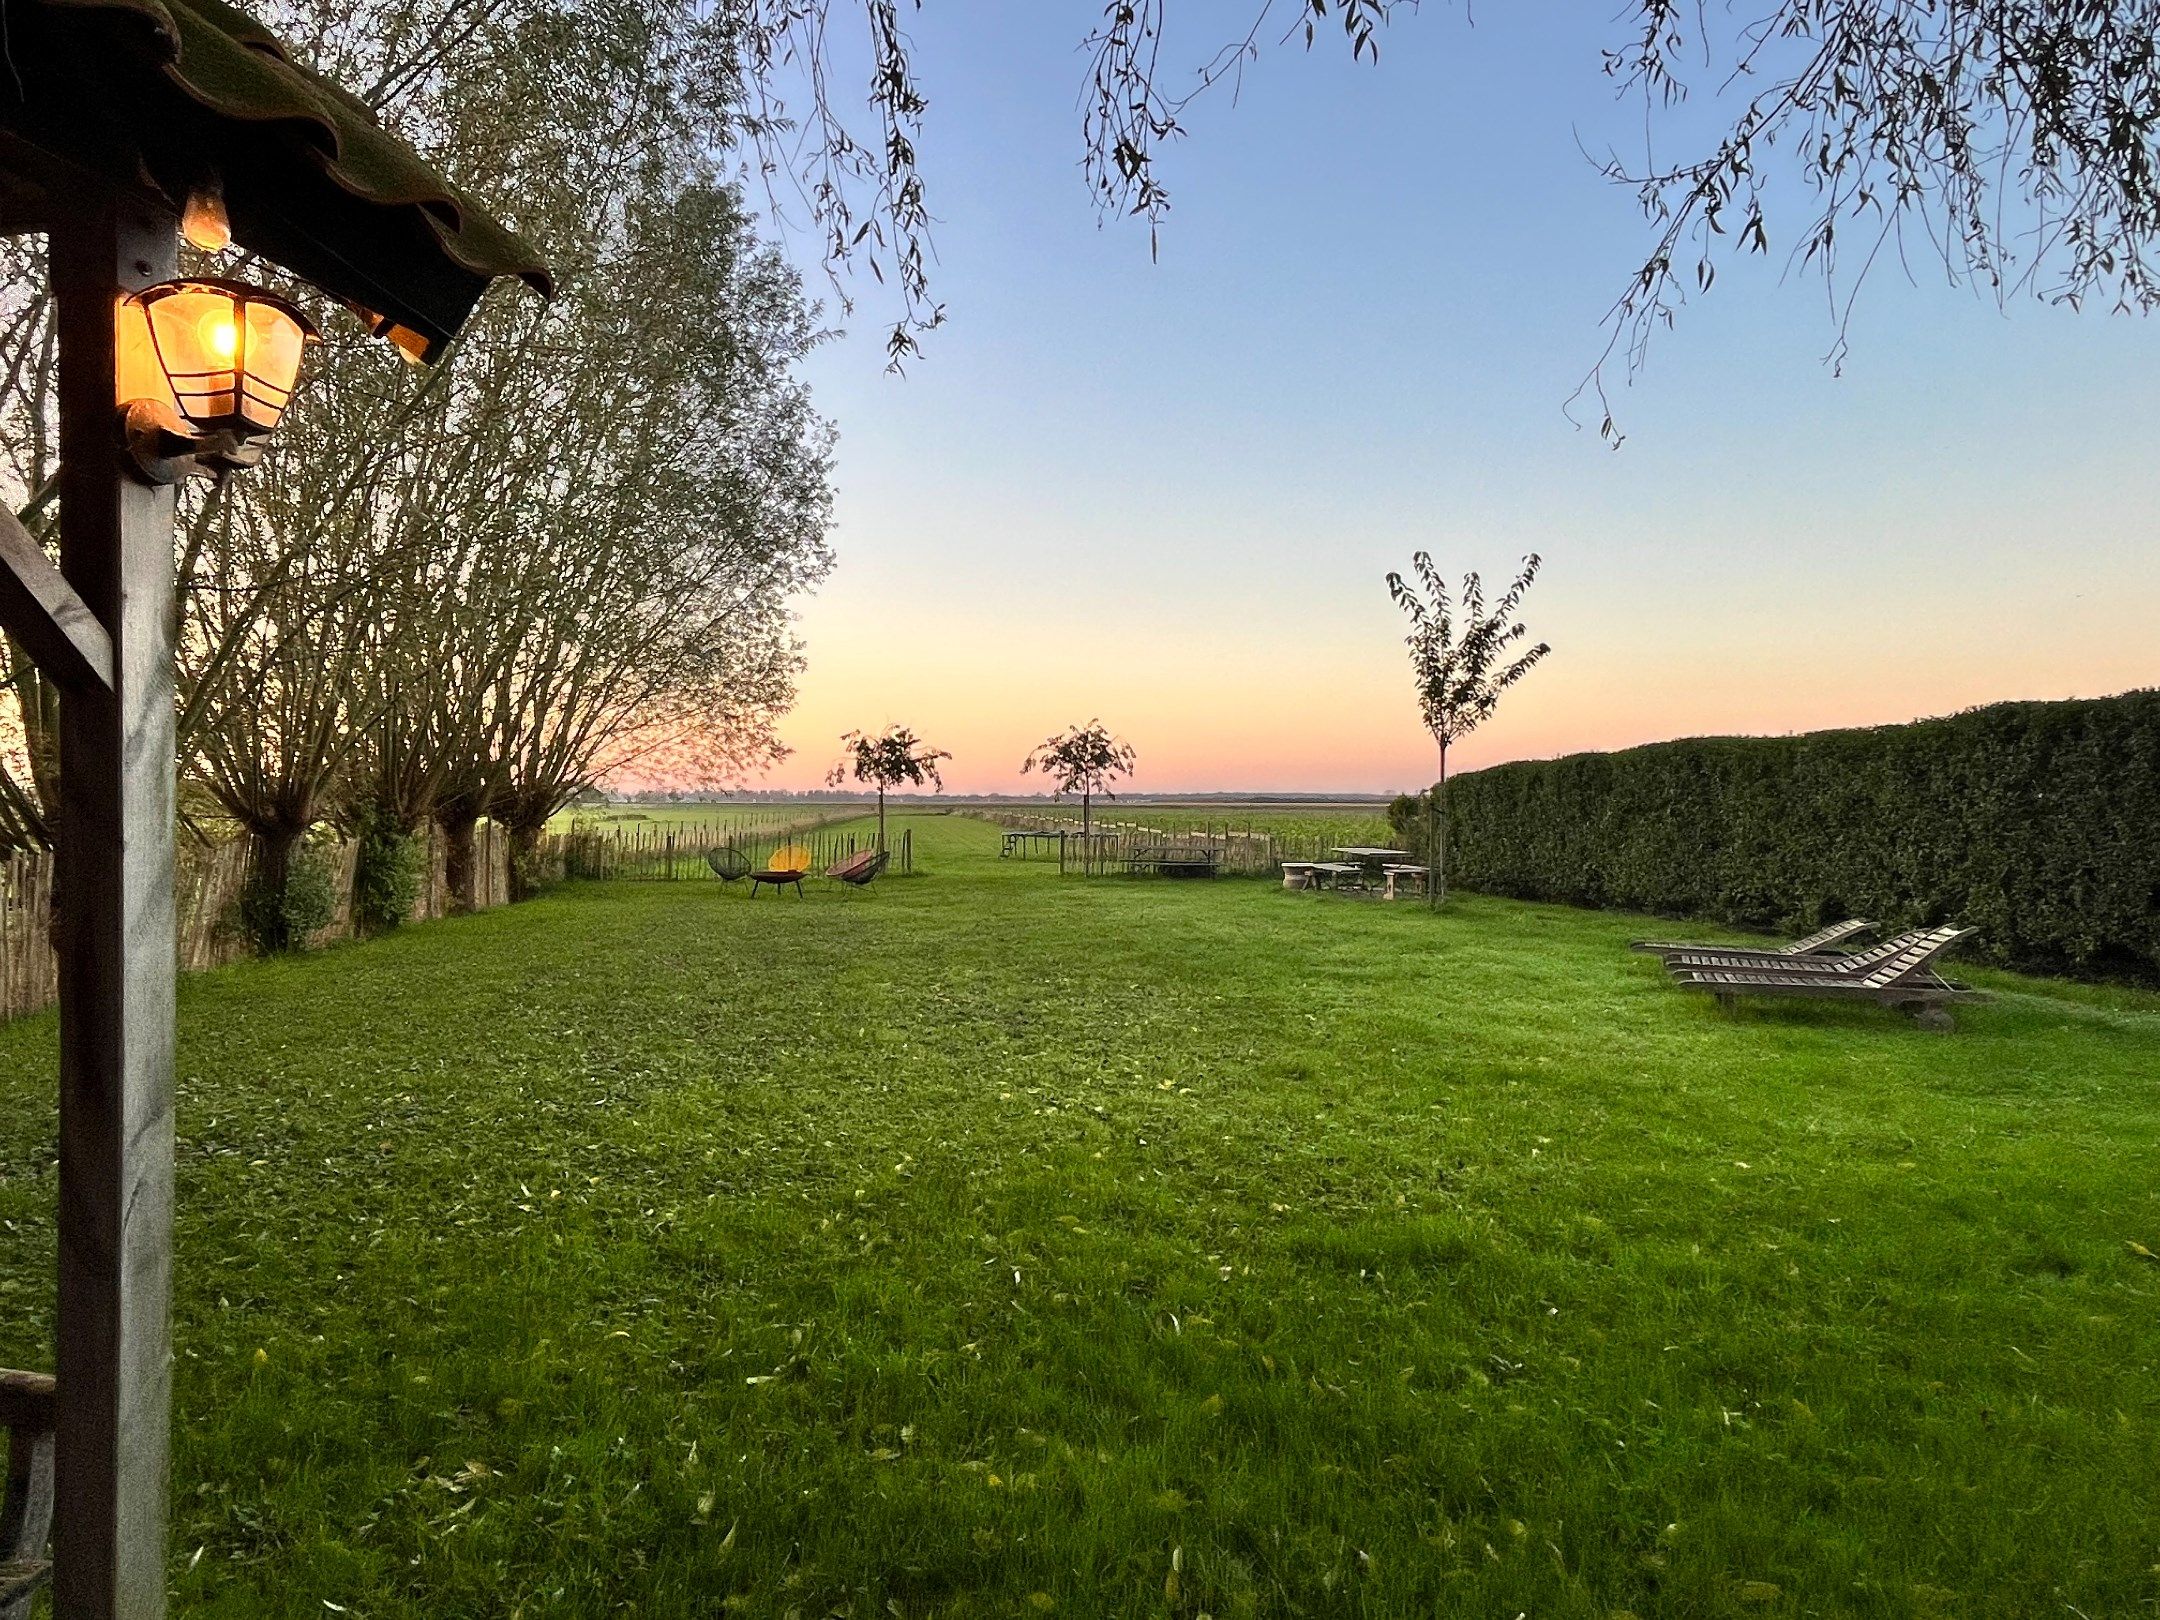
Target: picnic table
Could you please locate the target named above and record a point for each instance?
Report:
(1372, 860)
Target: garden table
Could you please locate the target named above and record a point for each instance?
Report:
(1371, 859)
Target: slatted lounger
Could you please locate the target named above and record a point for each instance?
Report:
(1915, 950)
(28, 1411)
(1903, 981)
(1821, 940)
(1922, 995)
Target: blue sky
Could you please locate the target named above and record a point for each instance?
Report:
(1167, 492)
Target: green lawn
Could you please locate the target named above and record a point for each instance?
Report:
(985, 1243)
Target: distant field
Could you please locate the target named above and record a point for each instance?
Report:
(1363, 822)
(1351, 821)
(720, 821)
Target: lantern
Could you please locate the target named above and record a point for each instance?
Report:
(213, 360)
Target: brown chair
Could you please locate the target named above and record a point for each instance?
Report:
(860, 868)
(27, 1412)
(1819, 941)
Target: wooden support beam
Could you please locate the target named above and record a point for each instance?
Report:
(40, 609)
(115, 888)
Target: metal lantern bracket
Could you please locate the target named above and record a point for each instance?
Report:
(159, 452)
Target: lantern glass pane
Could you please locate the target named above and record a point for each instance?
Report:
(137, 373)
(273, 349)
(198, 336)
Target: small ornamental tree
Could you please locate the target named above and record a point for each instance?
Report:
(1083, 760)
(895, 757)
(1460, 670)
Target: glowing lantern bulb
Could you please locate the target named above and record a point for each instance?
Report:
(204, 223)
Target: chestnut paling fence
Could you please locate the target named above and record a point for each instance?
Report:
(208, 882)
(1240, 851)
(676, 854)
(210, 877)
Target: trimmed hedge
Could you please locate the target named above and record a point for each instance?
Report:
(2036, 823)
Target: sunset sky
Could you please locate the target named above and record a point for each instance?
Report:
(1168, 493)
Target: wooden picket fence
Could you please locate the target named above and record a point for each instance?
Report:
(208, 881)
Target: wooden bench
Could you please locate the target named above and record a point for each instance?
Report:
(1174, 860)
(28, 1412)
(1338, 871)
(1416, 877)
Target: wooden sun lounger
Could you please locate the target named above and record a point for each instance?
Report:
(1902, 980)
(29, 1412)
(1923, 995)
(1821, 940)
(1907, 953)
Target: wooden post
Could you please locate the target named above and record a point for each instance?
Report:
(117, 963)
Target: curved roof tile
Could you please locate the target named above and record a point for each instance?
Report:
(170, 91)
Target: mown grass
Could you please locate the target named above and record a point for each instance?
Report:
(986, 1243)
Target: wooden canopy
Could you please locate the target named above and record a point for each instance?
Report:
(168, 96)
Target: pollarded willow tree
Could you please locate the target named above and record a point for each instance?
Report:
(694, 514)
(1461, 669)
(892, 758)
(1083, 760)
(464, 593)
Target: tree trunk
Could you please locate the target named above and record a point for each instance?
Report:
(270, 853)
(525, 858)
(1087, 820)
(880, 820)
(1436, 879)
(460, 859)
